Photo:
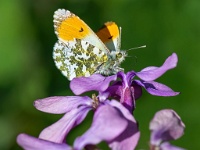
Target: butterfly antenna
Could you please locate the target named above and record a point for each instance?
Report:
(136, 47)
(129, 56)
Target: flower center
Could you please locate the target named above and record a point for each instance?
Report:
(95, 101)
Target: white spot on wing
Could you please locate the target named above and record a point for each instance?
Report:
(96, 51)
(84, 45)
(59, 64)
(87, 74)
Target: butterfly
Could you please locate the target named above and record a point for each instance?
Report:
(81, 52)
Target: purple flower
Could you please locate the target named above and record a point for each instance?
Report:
(165, 126)
(31, 143)
(75, 109)
(126, 89)
(112, 123)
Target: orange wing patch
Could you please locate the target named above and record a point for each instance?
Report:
(108, 32)
(110, 36)
(71, 28)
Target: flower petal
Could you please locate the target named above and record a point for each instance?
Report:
(166, 125)
(115, 89)
(61, 104)
(137, 91)
(108, 123)
(152, 73)
(168, 146)
(155, 88)
(95, 82)
(129, 138)
(59, 130)
(31, 143)
(118, 126)
(126, 78)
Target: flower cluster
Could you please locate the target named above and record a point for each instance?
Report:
(113, 107)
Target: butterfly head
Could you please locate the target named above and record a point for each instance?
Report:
(118, 56)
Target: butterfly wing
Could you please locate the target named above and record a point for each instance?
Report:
(79, 51)
(77, 58)
(110, 35)
(68, 27)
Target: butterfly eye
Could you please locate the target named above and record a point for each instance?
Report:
(119, 55)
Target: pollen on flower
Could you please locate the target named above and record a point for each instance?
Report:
(95, 101)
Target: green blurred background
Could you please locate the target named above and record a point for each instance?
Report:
(27, 71)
